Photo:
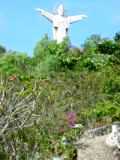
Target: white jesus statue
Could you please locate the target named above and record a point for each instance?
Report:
(61, 23)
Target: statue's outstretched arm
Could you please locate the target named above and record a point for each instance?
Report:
(46, 14)
(73, 19)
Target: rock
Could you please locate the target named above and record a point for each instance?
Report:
(94, 149)
(93, 146)
(116, 154)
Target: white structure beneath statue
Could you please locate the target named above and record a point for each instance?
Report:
(113, 139)
(61, 23)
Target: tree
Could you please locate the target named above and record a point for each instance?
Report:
(91, 43)
(44, 48)
(2, 49)
(15, 63)
(107, 47)
(117, 37)
(50, 56)
(95, 38)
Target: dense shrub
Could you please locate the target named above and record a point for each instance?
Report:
(107, 47)
(43, 97)
(103, 113)
(15, 63)
(2, 50)
(93, 62)
(51, 56)
(117, 37)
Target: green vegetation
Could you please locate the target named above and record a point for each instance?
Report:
(44, 96)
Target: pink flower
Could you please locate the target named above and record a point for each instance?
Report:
(71, 119)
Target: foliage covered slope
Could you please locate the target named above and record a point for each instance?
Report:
(41, 96)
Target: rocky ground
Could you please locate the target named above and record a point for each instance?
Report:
(93, 147)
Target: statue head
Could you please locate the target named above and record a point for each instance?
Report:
(60, 10)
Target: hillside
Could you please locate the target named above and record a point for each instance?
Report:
(42, 97)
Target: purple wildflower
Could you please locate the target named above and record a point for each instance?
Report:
(71, 119)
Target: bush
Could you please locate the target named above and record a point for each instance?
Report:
(102, 114)
(93, 62)
(52, 57)
(37, 94)
(15, 63)
(2, 50)
(107, 47)
(117, 37)
(31, 120)
(113, 85)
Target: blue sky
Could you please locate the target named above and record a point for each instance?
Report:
(21, 27)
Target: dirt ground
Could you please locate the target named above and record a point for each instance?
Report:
(94, 149)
